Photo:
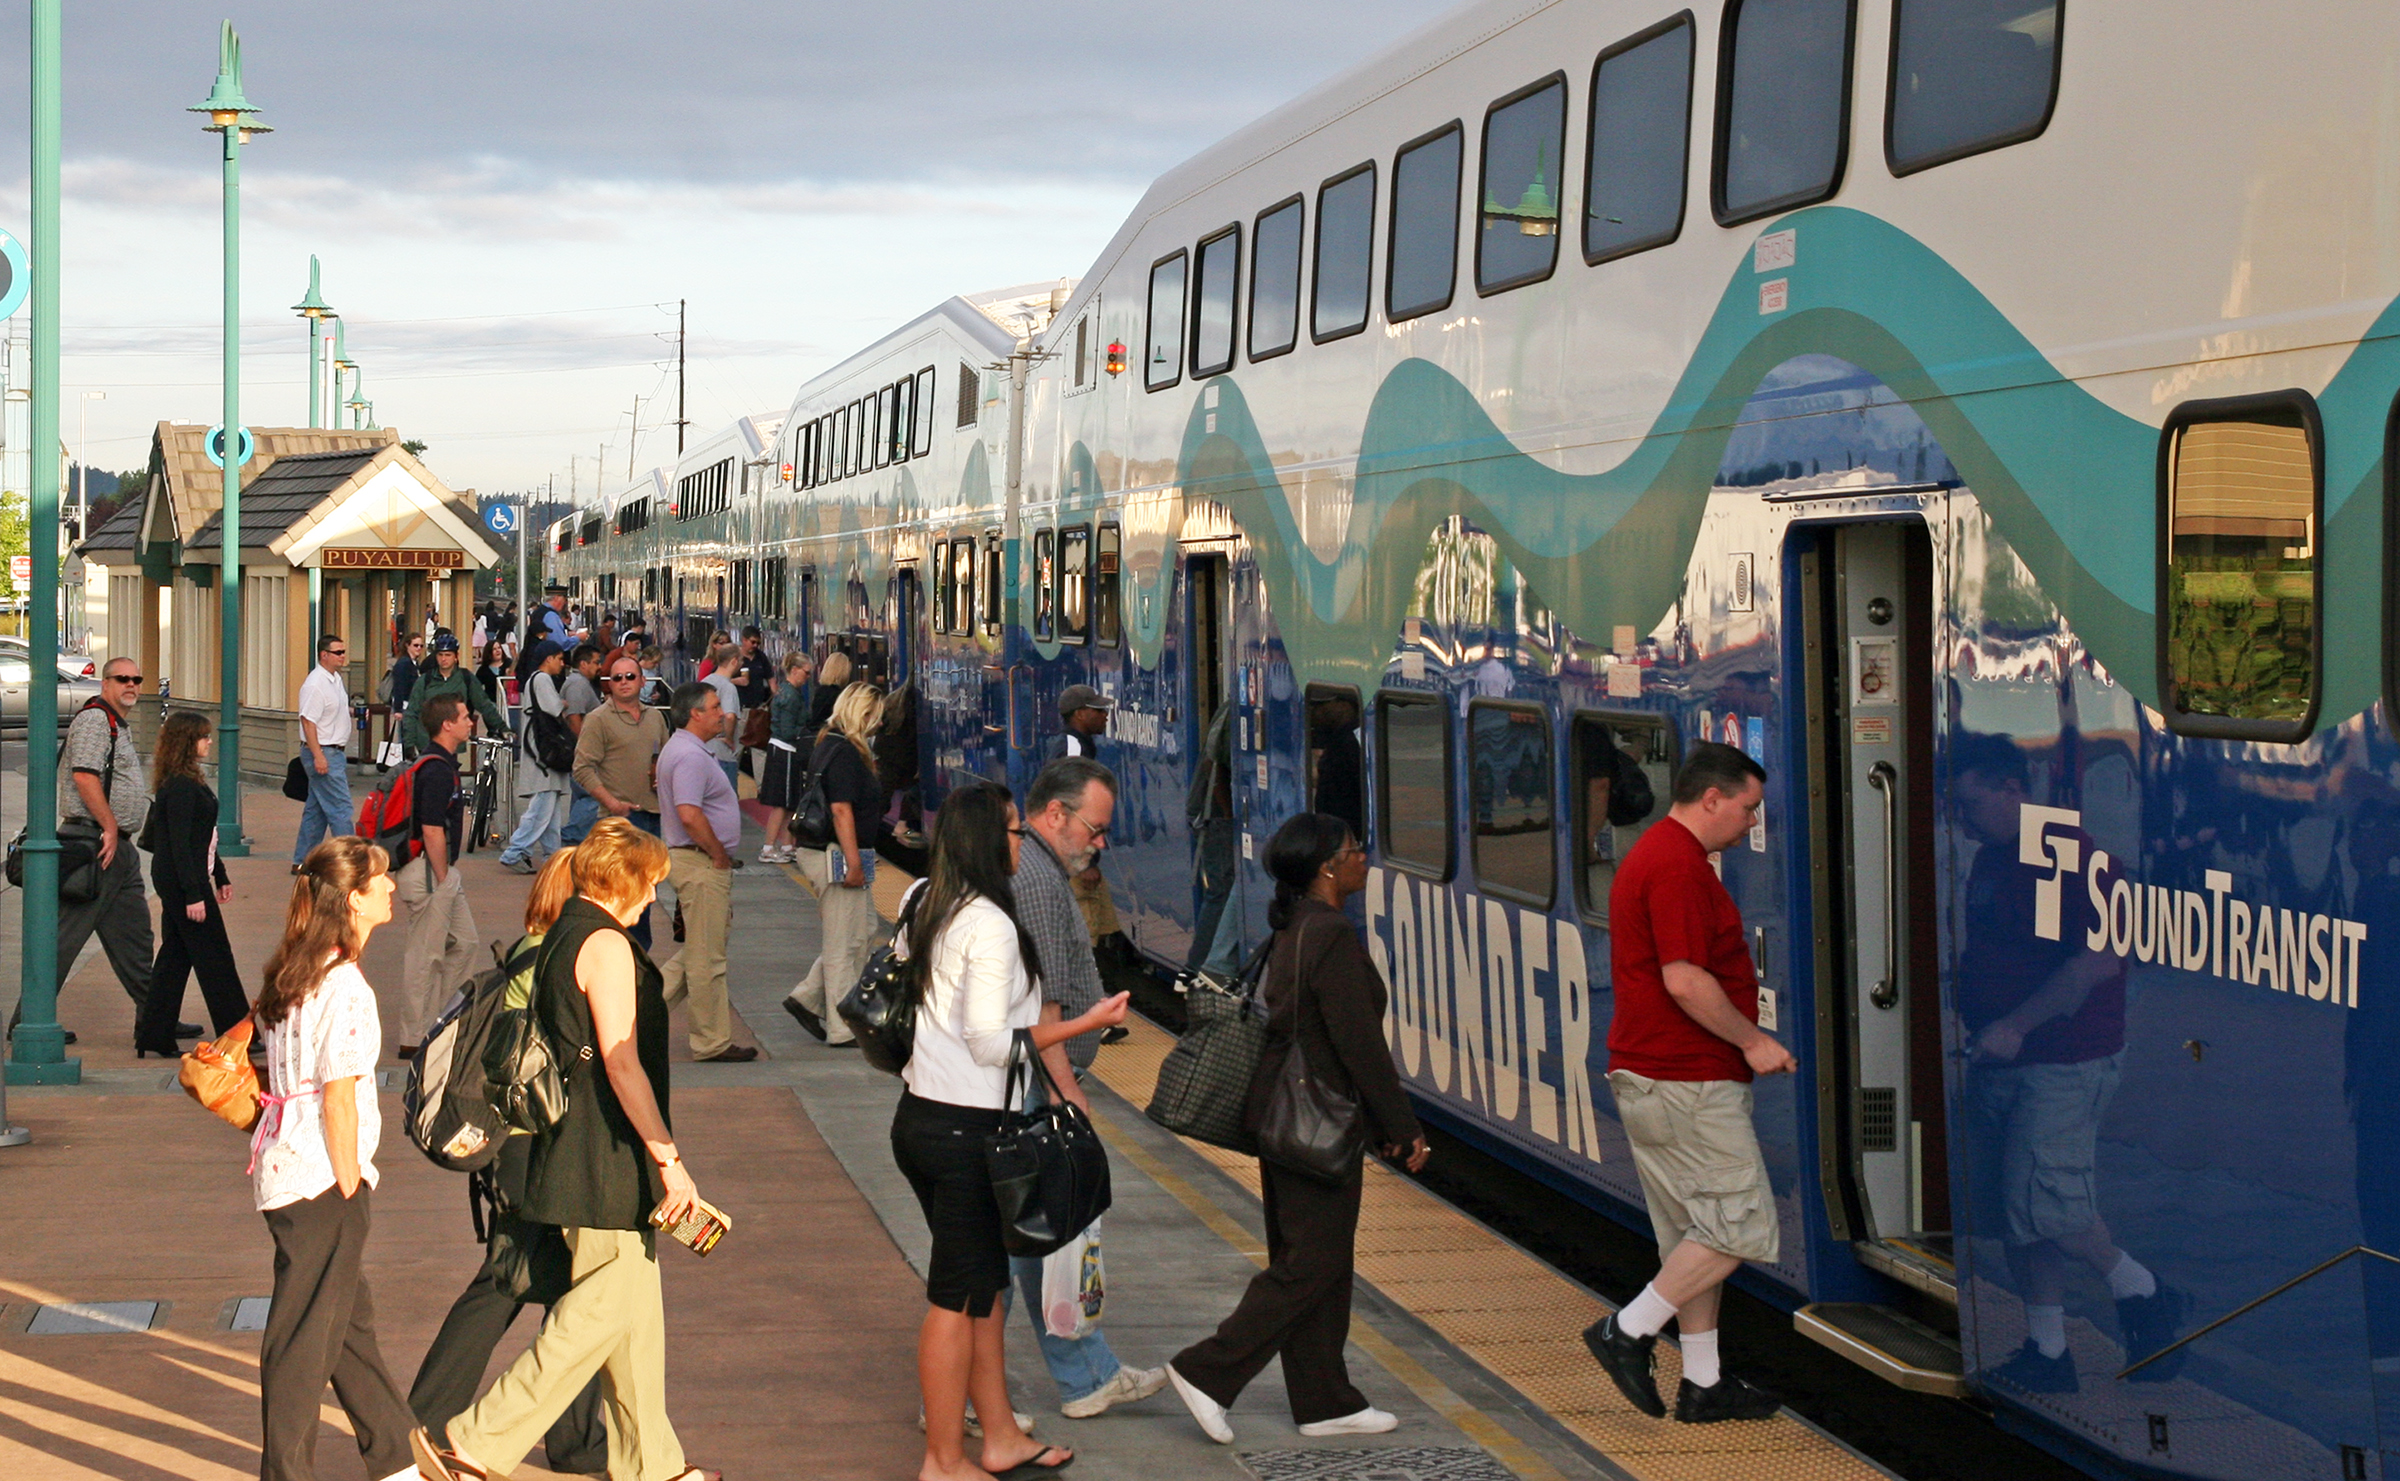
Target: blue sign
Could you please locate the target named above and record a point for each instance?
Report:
(244, 444)
(16, 275)
(501, 519)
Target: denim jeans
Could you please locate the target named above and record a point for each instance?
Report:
(1081, 1365)
(536, 837)
(584, 812)
(328, 813)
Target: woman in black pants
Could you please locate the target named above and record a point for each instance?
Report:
(191, 883)
(1324, 1000)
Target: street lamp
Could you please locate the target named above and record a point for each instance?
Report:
(313, 309)
(231, 117)
(342, 364)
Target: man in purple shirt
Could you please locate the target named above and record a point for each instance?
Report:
(701, 819)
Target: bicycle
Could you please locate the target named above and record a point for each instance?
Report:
(485, 802)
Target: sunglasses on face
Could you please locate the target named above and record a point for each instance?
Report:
(125, 678)
(621, 678)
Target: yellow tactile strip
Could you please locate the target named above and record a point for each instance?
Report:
(1518, 1318)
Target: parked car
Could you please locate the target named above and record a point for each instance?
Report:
(16, 688)
(70, 665)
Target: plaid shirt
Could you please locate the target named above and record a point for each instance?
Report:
(1046, 907)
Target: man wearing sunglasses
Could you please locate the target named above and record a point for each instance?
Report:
(325, 743)
(616, 754)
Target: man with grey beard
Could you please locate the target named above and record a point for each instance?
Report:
(1067, 817)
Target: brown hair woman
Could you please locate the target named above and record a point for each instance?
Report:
(181, 835)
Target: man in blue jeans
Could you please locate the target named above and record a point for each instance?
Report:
(1067, 817)
(325, 739)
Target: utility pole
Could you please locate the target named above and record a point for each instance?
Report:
(680, 423)
(633, 439)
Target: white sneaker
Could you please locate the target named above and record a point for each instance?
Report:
(1367, 1421)
(1123, 1387)
(1208, 1411)
(770, 854)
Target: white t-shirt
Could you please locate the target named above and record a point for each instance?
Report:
(325, 702)
(977, 998)
(335, 1034)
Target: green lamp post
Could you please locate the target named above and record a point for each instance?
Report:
(231, 117)
(342, 366)
(314, 310)
(38, 1050)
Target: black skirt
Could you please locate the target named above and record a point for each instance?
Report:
(780, 786)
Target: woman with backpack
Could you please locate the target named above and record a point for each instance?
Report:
(542, 791)
(597, 1175)
(973, 970)
(181, 837)
(523, 1263)
(312, 1168)
(841, 868)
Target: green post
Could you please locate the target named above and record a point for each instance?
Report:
(38, 1050)
(231, 116)
(313, 309)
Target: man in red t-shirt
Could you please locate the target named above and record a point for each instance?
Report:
(1682, 1047)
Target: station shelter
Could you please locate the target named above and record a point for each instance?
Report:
(342, 531)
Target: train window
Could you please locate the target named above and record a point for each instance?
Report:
(876, 447)
(1423, 257)
(942, 587)
(1524, 137)
(1640, 135)
(1074, 584)
(922, 422)
(1083, 351)
(2241, 583)
(1345, 254)
(1108, 586)
(1412, 773)
(1275, 279)
(970, 396)
(1337, 762)
(962, 560)
(904, 412)
(1624, 779)
(1045, 590)
(862, 423)
(1967, 76)
(1509, 789)
(1783, 105)
(741, 588)
(1164, 366)
(992, 572)
(1220, 263)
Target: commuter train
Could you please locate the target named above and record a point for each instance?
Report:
(1950, 403)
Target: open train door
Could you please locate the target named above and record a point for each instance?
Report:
(1210, 801)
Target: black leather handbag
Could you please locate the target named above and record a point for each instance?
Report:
(1048, 1168)
(1310, 1127)
(881, 1007)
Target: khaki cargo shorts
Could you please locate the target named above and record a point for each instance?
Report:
(1702, 1174)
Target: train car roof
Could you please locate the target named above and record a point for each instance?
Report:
(751, 436)
(968, 314)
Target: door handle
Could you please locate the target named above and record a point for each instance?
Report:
(1885, 778)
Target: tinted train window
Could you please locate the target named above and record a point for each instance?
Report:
(1508, 779)
(1522, 143)
(2243, 580)
(1337, 758)
(1212, 302)
(1108, 586)
(1345, 254)
(1783, 105)
(1968, 75)
(1074, 588)
(1412, 755)
(1624, 779)
(1424, 254)
(1275, 280)
(1045, 588)
(904, 413)
(1641, 130)
(942, 588)
(1164, 367)
(962, 568)
(924, 417)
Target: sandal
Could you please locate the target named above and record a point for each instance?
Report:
(1040, 1464)
(437, 1464)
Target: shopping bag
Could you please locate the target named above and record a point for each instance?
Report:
(1074, 1286)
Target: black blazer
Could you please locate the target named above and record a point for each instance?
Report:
(182, 817)
(1323, 993)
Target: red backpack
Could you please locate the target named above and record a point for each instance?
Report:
(388, 819)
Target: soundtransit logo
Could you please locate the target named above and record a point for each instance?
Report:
(2211, 931)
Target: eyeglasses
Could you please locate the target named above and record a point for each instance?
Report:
(339, 652)
(621, 678)
(125, 678)
(1098, 833)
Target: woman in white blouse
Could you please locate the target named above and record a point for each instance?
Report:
(312, 1165)
(976, 980)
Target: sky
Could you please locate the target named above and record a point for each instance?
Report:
(509, 196)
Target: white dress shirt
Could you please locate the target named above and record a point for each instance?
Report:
(978, 997)
(325, 703)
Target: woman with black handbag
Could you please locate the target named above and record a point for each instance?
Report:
(974, 974)
(1325, 1087)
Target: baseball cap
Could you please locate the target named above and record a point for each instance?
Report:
(447, 642)
(1083, 697)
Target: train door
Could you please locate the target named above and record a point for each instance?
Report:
(1867, 614)
(907, 610)
(1208, 623)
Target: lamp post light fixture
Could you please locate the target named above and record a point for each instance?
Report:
(313, 308)
(232, 118)
(342, 365)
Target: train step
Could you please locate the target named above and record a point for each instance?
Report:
(1894, 1347)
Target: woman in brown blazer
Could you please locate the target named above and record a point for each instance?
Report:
(1325, 997)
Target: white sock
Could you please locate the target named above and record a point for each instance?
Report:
(1700, 1358)
(2131, 1278)
(2047, 1326)
(1645, 1314)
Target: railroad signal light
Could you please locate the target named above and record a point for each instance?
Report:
(1116, 357)
(787, 473)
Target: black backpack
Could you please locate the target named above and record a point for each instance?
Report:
(450, 1108)
(553, 743)
(812, 818)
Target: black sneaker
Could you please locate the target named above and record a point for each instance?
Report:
(2032, 1373)
(1628, 1361)
(2149, 1323)
(1730, 1397)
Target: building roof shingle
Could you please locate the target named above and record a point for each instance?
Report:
(291, 487)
